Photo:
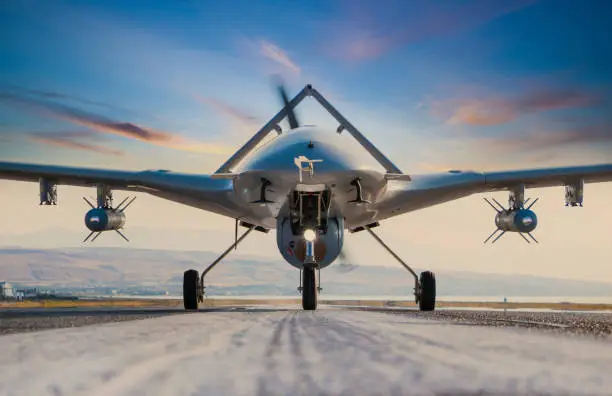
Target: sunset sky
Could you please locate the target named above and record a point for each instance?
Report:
(435, 85)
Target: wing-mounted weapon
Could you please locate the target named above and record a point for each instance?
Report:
(103, 217)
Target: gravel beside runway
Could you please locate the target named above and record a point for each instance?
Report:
(35, 319)
(27, 320)
(584, 323)
(598, 324)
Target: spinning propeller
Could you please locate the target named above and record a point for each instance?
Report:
(345, 263)
(291, 117)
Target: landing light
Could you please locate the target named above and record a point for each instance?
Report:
(310, 235)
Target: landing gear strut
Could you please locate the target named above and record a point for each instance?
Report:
(424, 287)
(308, 277)
(193, 284)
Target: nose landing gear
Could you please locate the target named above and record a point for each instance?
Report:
(309, 285)
(309, 288)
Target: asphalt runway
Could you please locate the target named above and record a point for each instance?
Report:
(278, 351)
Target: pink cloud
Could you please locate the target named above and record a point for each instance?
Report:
(497, 111)
(227, 110)
(371, 29)
(542, 139)
(105, 125)
(70, 140)
(276, 54)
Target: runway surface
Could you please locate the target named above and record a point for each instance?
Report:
(269, 351)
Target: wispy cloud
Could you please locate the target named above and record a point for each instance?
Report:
(276, 54)
(549, 139)
(369, 29)
(71, 140)
(102, 124)
(227, 110)
(496, 110)
(54, 95)
(549, 144)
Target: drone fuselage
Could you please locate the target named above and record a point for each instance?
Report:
(308, 173)
(341, 162)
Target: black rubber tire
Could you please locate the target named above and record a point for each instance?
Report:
(191, 278)
(427, 302)
(309, 289)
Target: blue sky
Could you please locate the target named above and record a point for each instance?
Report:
(478, 74)
(436, 85)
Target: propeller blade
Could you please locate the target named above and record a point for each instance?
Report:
(293, 122)
(122, 236)
(89, 203)
(345, 263)
(533, 203)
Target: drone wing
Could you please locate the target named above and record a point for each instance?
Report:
(201, 191)
(427, 190)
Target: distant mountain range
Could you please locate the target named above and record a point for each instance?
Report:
(243, 275)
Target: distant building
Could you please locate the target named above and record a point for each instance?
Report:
(6, 290)
(28, 293)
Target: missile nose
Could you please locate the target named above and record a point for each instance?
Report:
(527, 220)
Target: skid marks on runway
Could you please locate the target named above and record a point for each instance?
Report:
(288, 361)
(430, 357)
(454, 355)
(130, 358)
(271, 352)
(151, 372)
(357, 354)
(227, 362)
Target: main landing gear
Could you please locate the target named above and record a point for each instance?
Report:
(191, 289)
(193, 284)
(424, 286)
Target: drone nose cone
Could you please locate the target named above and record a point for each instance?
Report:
(525, 220)
(282, 156)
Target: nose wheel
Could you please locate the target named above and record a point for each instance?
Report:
(310, 290)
